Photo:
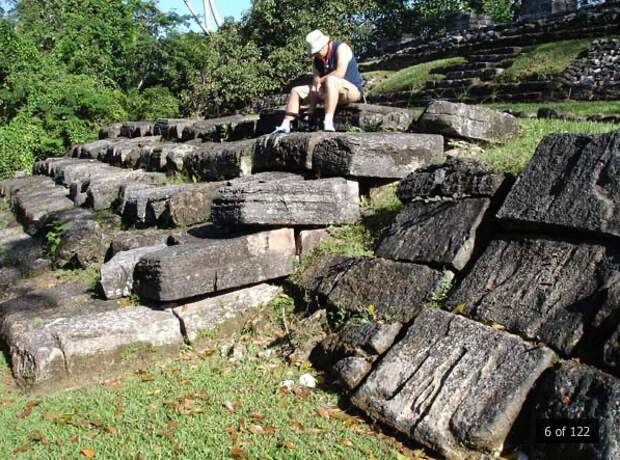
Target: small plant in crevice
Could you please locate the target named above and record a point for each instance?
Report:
(53, 236)
(438, 298)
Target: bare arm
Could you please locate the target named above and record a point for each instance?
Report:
(316, 78)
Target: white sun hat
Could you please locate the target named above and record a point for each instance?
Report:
(316, 40)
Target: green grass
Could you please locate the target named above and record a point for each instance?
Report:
(413, 78)
(546, 59)
(576, 107)
(199, 407)
(514, 155)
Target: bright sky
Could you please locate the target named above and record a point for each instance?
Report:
(226, 8)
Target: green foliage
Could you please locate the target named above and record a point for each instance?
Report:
(545, 60)
(499, 10)
(413, 78)
(151, 104)
(576, 107)
(514, 154)
(53, 236)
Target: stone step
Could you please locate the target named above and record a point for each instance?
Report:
(143, 205)
(188, 207)
(506, 50)
(219, 161)
(234, 127)
(366, 117)
(62, 337)
(467, 121)
(295, 202)
(376, 155)
(157, 157)
(137, 129)
(126, 240)
(293, 152)
(453, 385)
(483, 74)
(126, 153)
(94, 150)
(172, 128)
(471, 66)
(461, 83)
(491, 57)
(103, 192)
(189, 270)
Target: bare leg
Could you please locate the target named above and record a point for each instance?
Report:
(292, 108)
(332, 90)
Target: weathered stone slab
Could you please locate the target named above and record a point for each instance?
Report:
(80, 238)
(466, 121)
(543, 289)
(397, 290)
(143, 206)
(571, 182)
(117, 273)
(454, 385)
(133, 239)
(180, 272)
(94, 150)
(367, 117)
(308, 240)
(190, 207)
(201, 232)
(376, 155)
(456, 178)
(11, 187)
(352, 370)
(137, 129)
(103, 192)
(126, 153)
(31, 207)
(171, 128)
(198, 318)
(155, 157)
(577, 392)
(81, 172)
(437, 233)
(111, 131)
(219, 161)
(324, 202)
(287, 153)
(229, 128)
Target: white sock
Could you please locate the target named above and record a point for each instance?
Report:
(285, 126)
(328, 123)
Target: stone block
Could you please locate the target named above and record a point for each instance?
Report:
(571, 183)
(137, 129)
(201, 317)
(189, 270)
(117, 273)
(307, 240)
(577, 392)
(468, 122)
(453, 385)
(126, 153)
(292, 153)
(190, 207)
(228, 128)
(172, 128)
(144, 206)
(436, 233)
(456, 178)
(545, 289)
(156, 157)
(397, 290)
(376, 155)
(219, 161)
(296, 202)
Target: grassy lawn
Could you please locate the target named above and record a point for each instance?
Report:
(576, 107)
(546, 59)
(514, 155)
(413, 78)
(202, 406)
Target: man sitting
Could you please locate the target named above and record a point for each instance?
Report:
(336, 80)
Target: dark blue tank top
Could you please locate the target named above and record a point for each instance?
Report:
(352, 75)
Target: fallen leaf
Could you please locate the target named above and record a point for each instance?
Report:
(73, 439)
(256, 429)
(139, 456)
(28, 408)
(346, 442)
(287, 444)
(230, 406)
(88, 453)
(297, 426)
(237, 452)
(256, 416)
(21, 449)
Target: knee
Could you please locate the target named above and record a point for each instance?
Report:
(297, 91)
(332, 82)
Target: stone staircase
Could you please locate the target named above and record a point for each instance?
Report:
(494, 301)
